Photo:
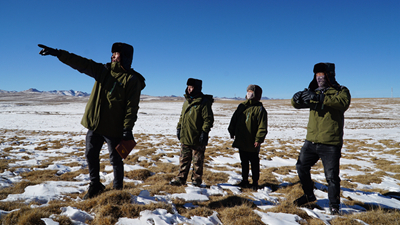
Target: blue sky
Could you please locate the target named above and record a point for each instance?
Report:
(227, 44)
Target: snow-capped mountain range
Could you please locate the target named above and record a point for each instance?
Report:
(66, 93)
(84, 94)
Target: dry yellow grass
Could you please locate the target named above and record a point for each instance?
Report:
(32, 216)
(242, 214)
(232, 209)
(377, 216)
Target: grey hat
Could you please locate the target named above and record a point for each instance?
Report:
(257, 91)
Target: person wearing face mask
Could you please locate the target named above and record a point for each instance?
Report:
(248, 127)
(327, 101)
(195, 123)
(111, 111)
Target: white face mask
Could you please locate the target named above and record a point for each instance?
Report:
(250, 95)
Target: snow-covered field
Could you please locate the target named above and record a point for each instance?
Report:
(373, 123)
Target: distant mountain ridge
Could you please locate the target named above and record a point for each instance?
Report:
(55, 92)
(84, 94)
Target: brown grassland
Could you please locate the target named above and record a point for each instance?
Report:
(232, 208)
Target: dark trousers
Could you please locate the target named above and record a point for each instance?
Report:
(330, 155)
(94, 143)
(252, 157)
(189, 153)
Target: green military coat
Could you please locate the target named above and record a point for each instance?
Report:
(114, 101)
(326, 122)
(196, 116)
(249, 124)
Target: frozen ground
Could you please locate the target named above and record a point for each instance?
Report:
(369, 120)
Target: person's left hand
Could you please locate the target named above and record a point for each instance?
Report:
(257, 144)
(127, 135)
(203, 138)
(308, 95)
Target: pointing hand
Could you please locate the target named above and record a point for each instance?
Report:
(48, 51)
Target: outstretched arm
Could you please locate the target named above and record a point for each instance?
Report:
(83, 65)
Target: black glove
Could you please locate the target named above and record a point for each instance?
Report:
(178, 133)
(310, 95)
(48, 51)
(318, 98)
(297, 97)
(203, 138)
(127, 135)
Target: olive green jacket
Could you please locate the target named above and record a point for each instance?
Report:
(326, 120)
(249, 124)
(114, 101)
(196, 116)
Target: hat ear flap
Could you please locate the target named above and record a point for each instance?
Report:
(258, 93)
(313, 84)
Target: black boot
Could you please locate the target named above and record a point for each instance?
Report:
(255, 185)
(196, 183)
(95, 188)
(334, 210)
(244, 184)
(304, 199)
(177, 182)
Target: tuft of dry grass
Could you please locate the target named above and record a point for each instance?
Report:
(40, 176)
(376, 216)
(199, 211)
(4, 164)
(138, 174)
(32, 216)
(268, 179)
(115, 198)
(25, 215)
(164, 168)
(365, 179)
(241, 214)
(212, 178)
(109, 214)
(347, 184)
(8, 206)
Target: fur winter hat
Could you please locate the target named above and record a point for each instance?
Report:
(197, 84)
(329, 70)
(324, 68)
(126, 52)
(257, 91)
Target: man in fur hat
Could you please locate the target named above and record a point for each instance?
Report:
(111, 111)
(194, 124)
(249, 126)
(327, 101)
